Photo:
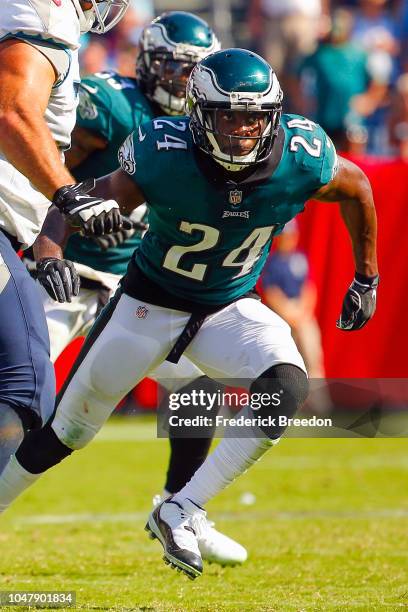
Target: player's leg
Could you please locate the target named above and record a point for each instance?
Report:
(243, 341)
(269, 358)
(120, 350)
(187, 454)
(27, 385)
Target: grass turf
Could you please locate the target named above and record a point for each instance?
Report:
(328, 529)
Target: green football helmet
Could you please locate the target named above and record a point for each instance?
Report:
(236, 88)
(170, 46)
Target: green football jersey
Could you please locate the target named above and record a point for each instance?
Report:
(208, 239)
(112, 106)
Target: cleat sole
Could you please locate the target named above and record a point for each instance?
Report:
(182, 569)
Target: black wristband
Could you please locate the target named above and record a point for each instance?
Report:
(58, 198)
(77, 188)
(366, 280)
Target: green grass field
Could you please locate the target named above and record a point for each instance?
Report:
(328, 530)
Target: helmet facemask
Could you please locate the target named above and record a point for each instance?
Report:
(235, 137)
(102, 16)
(165, 75)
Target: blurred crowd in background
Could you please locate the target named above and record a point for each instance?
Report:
(343, 63)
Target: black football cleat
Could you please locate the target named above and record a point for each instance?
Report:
(176, 526)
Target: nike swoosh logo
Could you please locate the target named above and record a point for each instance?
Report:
(141, 135)
(91, 90)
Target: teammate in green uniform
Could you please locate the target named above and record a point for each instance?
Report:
(219, 184)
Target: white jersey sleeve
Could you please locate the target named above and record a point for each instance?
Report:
(53, 20)
(38, 22)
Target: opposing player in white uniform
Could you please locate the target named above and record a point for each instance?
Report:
(39, 79)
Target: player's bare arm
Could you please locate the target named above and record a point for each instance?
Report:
(53, 236)
(351, 188)
(57, 275)
(83, 143)
(122, 188)
(27, 77)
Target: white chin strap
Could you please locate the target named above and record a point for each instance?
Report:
(229, 166)
(170, 104)
(86, 18)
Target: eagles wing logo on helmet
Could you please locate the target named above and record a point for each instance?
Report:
(126, 156)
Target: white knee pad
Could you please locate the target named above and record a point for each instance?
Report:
(79, 418)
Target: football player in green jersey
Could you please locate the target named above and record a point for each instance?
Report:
(220, 184)
(110, 107)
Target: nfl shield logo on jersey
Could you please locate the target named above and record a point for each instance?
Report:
(141, 312)
(235, 197)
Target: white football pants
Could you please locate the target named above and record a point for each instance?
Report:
(240, 341)
(74, 319)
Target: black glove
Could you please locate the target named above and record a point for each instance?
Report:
(110, 241)
(359, 303)
(59, 278)
(94, 215)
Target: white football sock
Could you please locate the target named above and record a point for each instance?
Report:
(231, 458)
(13, 481)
